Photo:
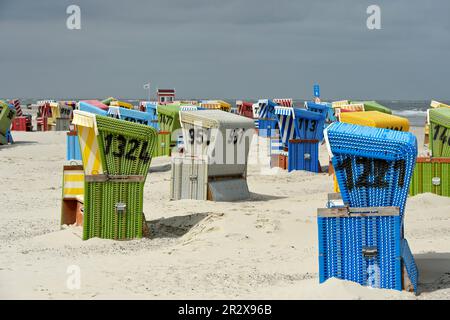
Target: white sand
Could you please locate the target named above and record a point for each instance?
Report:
(264, 248)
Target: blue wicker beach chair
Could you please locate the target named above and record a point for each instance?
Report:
(362, 240)
(300, 132)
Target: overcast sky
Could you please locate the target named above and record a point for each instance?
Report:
(225, 49)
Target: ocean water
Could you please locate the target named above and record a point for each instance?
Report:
(414, 111)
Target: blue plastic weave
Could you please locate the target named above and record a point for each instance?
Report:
(342, 245)
(373, 166)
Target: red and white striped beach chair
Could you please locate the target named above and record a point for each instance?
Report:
(42, 121)
(284, 102)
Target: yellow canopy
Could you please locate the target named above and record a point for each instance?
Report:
(87, 135)
(122, 104)
(376, 119)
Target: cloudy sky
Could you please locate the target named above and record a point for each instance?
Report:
(225, 49)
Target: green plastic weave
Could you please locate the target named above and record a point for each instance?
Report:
(142, 133)
(424, 172)
(162, 145)
(168, 117)
(440, 132)
(101, 218)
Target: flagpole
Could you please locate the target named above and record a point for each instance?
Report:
(147, 86)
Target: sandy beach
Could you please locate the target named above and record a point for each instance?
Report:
(263, 248)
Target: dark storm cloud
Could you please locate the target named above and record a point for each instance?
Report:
(225, 49)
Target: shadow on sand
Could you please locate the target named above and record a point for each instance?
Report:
(174, 227)
(160, 168)
(434, 271)
(263, 197)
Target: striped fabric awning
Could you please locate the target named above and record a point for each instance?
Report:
(16, 104)
(293, 123)
(284, 102)
(286, 121)
(73, 185)
(354, 107)
(216, 104)
(208, 105)
(266, 108)
(87, 133)
(285, 111)
(337, 104)
(188, 108)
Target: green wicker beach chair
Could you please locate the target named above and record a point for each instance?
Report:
(116, 158)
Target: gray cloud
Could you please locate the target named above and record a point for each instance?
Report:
(225, 49)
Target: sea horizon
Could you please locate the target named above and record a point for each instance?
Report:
(414, 110)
